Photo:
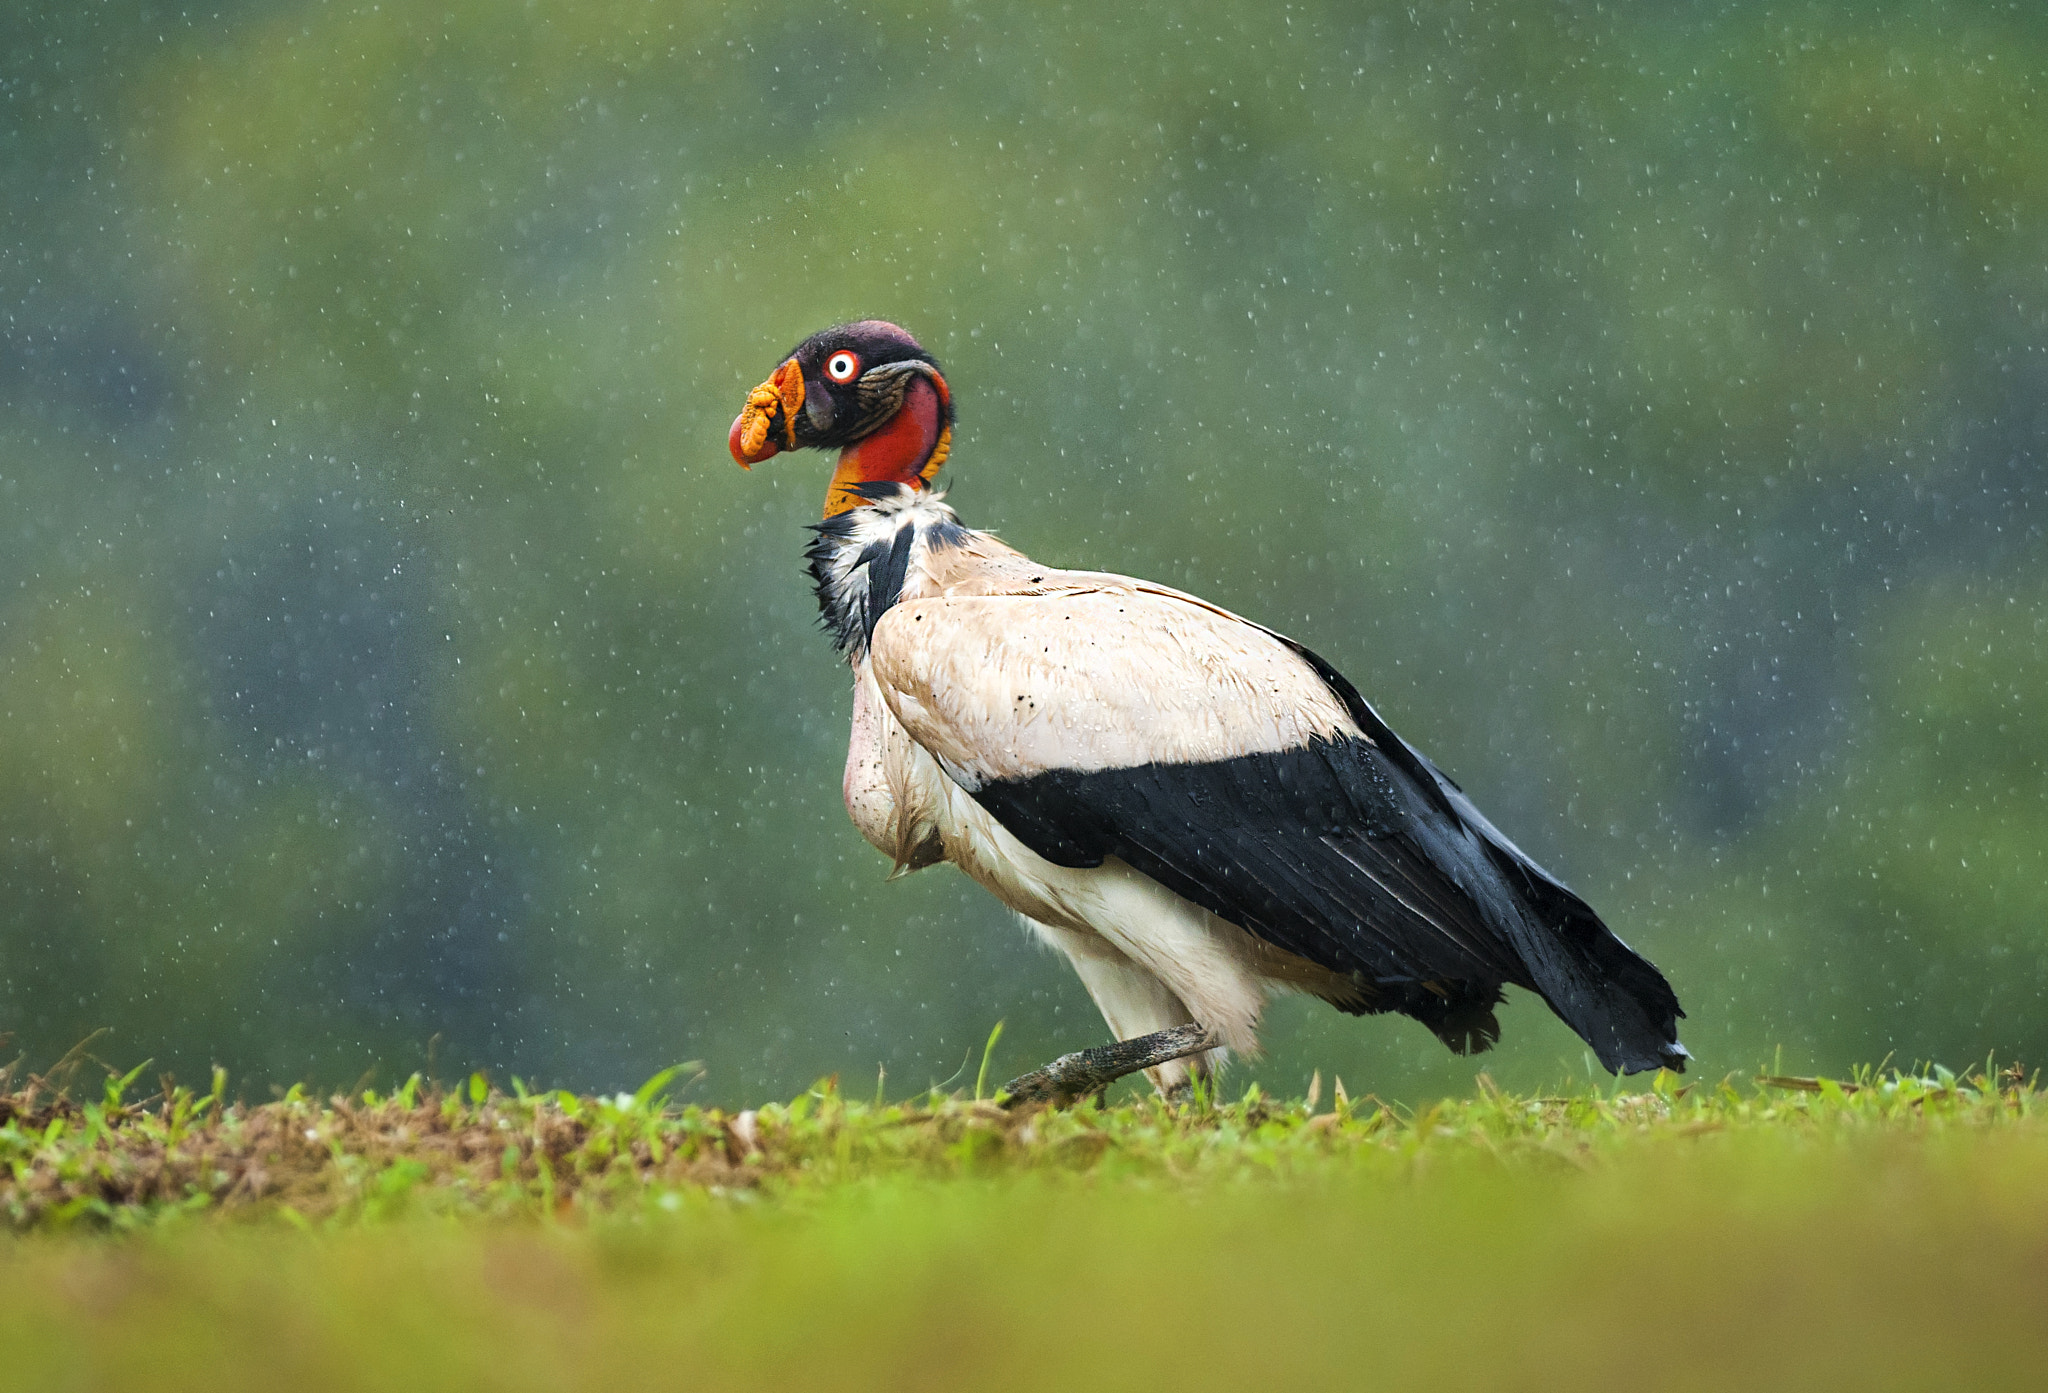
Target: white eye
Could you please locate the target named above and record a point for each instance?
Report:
(842, 367)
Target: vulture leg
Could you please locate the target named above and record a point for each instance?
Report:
(1073, 1077)
(1132, 1000)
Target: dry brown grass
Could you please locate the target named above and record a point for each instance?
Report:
(474, 1149)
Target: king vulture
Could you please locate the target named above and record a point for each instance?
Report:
(1199, 812)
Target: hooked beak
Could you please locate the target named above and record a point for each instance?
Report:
(770, 411)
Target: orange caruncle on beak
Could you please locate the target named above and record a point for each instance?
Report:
(774, 402)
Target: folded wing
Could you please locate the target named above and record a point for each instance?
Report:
(1105, 717)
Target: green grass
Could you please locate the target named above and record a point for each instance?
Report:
(1886, 1232)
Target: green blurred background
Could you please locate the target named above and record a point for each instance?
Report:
(1646, 404)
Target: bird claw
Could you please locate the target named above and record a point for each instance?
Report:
(1072, 1077)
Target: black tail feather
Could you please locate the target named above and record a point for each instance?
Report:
(1616, 1000)
(1610, 994)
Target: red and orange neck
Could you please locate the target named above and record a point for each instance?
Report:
(908, 450)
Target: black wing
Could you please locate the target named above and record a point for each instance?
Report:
(1360, 856)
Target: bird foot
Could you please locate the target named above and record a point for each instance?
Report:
(1072, 1077)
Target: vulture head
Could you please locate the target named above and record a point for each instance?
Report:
(868, 390)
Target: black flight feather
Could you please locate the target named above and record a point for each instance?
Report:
(1360, 856)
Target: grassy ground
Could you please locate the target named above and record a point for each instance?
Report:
(1887, 1232)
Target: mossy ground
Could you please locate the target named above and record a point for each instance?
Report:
(1883, 1232)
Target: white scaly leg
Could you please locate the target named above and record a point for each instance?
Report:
(1133, 1002)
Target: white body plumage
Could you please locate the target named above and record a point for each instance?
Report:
(986, 665)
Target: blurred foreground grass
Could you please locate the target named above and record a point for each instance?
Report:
(1886, 1232)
